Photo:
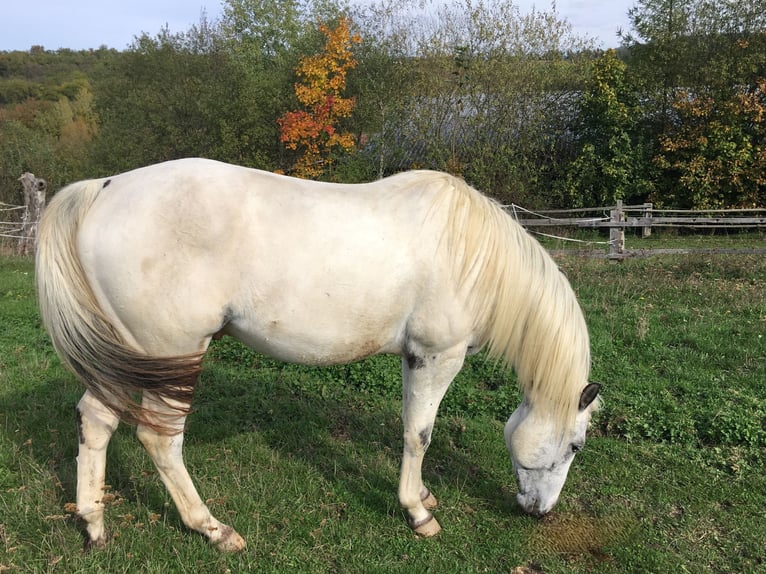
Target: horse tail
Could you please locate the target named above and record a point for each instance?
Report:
(86, 339)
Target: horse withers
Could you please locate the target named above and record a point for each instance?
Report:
(136, 274)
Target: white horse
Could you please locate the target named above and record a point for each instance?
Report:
(138, 272)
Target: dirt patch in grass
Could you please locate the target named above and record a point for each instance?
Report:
(577, 535)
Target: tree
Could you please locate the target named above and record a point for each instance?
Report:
(170, 96)
(386, 67)
(612, 157)
(472, 87)
(314, 130)
(49, 139)
(718, 151)
(47, 116)
(660, 55)
(701, 64)
(493, 98)
(266, 39)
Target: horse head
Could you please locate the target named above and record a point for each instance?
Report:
(541, 453)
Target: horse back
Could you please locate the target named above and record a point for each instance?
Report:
(306, 271)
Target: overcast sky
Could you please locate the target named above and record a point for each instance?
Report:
(83, 24)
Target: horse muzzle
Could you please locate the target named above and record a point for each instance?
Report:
(532, 505)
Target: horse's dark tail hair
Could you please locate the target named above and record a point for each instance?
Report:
(85, 338)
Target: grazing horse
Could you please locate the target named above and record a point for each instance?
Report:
(136, 274)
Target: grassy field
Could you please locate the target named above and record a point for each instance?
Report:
(304, 462)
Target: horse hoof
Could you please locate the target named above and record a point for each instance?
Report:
(430, 501)
(233, 542)
(91, 544)
(428, 529)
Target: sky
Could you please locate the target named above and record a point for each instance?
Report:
(85, 24)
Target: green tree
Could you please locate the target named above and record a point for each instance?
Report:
(386, 67)
(486, 94)
(612, 155)
(717, 154)
(660, 49)
(698, 61)
(49, 139)
(47, 115)
(171, 96)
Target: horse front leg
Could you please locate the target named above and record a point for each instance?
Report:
(166, 452)
(95, 426)
(425, 379)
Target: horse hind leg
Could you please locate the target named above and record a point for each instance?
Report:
(95, 425)
(166, 453)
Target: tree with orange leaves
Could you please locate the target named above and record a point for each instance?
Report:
(314, 130)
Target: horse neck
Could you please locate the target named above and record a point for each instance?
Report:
(524, 308)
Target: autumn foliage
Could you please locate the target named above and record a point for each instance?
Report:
(718, 150)
(314, 130)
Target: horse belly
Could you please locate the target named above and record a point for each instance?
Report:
(328, 327)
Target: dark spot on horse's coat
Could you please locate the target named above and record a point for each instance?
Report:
(425, 436)
(106, 183)
(415, 362)
(228, 315)
(80, 434)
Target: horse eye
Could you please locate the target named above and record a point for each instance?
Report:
(575, 448)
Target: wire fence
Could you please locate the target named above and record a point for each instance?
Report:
(11, 229)
(18, 223)
(643, 217)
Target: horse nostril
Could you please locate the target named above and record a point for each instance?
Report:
(530, 506)
(536, 512)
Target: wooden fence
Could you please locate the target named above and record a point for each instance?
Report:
(619, 217)
(20, 221)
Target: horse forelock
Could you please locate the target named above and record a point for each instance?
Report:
(525, 310)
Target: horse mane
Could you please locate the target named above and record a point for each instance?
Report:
(524, 308)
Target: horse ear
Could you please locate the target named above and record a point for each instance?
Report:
(588, 395)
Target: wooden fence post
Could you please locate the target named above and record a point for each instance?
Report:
(34, 203)
(616, 233)
(646, 230)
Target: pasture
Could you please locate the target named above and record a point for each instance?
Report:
(304, 462)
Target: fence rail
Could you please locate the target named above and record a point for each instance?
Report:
(619, 217)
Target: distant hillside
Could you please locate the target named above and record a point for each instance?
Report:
(48, 75)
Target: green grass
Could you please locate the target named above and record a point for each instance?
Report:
(304, 462)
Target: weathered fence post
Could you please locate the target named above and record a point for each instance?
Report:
(616, 233)
(646, 230)
(34, 203)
